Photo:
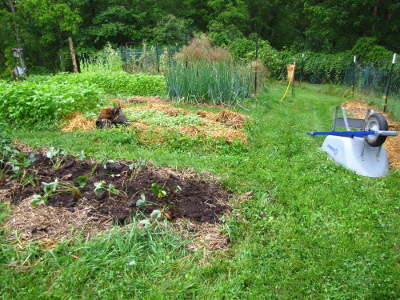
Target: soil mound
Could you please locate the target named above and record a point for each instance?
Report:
(128, 189)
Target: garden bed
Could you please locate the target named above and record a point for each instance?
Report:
(154, 120)
(114, 192)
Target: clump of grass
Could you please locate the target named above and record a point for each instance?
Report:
(105, 60)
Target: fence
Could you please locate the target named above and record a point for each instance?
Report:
(378, 85)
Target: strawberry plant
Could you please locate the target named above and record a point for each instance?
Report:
(54, 188)
(158, 191)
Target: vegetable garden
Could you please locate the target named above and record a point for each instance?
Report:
(191, 200)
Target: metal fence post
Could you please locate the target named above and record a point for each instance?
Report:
(389, 82)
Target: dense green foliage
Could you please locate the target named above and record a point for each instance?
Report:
(329, 27)
(117, 83)
(311, 228)
(42, 104)
(42, 101)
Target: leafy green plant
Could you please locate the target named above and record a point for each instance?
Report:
(81, 155)
(99, 186)
(82, 181)
(44, 103)
(141, 201)
(112, 190)
(102, 185)
(117, 83)
(158, 191)
(20, 161)
(54, 188)
(5, 134)
(56, 156)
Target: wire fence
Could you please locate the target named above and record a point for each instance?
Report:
(379, 86)
(149, 59)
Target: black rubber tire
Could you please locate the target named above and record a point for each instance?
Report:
(375, 122)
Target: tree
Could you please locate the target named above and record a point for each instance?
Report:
(171, 30)
(46, 28)
(329, 20)
(229, 20)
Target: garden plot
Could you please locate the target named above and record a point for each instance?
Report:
(154, 121)
(56, 196)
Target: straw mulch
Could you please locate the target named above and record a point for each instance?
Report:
(77, 121)
(231, 129)
(358, 109)
(51, 224)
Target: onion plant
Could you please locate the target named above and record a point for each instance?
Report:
(212, 83)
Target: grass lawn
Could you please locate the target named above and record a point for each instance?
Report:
(311, 229)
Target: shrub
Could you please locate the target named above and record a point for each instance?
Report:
(368, 51)
(243, 49)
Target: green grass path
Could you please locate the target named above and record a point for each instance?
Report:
(312, 229)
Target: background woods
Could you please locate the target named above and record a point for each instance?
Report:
(44, 28)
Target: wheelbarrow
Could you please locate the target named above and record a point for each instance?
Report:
(360, 146)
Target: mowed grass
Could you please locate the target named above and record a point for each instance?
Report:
(311, 229)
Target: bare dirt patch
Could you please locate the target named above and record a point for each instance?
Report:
(358, 109)
(187, 197)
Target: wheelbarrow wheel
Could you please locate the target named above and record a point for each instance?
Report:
(375, 122)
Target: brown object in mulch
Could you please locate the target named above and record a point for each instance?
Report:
(358, 109)
(111, 115)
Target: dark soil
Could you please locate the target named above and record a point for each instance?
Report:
(187, 195)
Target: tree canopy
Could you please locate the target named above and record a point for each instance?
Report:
(331, 26)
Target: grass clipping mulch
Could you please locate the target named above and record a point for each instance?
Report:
(358, 109)
(227, 125)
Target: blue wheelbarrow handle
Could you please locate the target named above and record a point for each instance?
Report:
(355, 133)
